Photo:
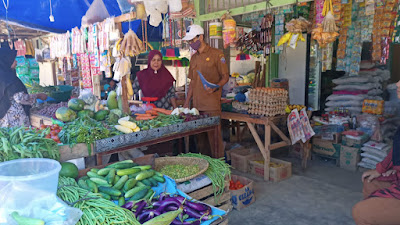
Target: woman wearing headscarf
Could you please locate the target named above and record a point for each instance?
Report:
(156, 81)
(14, 98)
(381, 204)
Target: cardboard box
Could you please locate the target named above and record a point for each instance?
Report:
(327, 148)
(297, 151)
(334, 137)
(349, 157)
(245, 196)
(356, 143)
(232, 149)
(275, 173)
(239, 158)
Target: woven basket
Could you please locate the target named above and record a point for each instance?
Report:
(187, 161)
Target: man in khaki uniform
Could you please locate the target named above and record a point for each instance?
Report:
(212, 65)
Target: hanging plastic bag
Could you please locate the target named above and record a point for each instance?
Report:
(229, 30)
(34, 203)
(295, 127)
(154, 9)
(97, 12)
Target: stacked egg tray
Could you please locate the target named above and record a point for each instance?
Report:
(268, 101)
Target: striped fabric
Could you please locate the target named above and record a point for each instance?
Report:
(394, 190)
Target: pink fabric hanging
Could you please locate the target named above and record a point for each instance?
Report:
(85, 68)
(20, 47)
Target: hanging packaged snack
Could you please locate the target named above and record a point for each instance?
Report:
(229, 30)
(385, 46)
(319, 7)
(279, 29)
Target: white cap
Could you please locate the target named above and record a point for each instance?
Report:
(192, 31)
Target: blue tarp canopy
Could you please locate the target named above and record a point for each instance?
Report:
(67, 13)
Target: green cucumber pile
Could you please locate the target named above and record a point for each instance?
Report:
(122, 180)
(96, 210)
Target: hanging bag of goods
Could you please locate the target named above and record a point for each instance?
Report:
(229, 30)
(329, 22)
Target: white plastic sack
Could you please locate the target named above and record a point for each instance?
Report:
(373, 151)
(355, 110)
(97, 12)
(365, 86)
(334, 97)
(375, 92)
(356, 103)
(194, 184)
(366, 165)
(370, 161)
(347, 80)
(372, 156)
(34, 203)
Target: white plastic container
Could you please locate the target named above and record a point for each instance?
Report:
(37, 173)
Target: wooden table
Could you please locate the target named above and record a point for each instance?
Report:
(81, 150)
(218, 153)
(267, 146)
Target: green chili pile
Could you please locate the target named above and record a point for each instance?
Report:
(217, 171)
(96, 210)
(178, 171)
(161, 121)
(17, 143)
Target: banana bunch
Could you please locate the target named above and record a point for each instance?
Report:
(126, 126)
(289, 108)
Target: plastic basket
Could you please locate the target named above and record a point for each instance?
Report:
(187, 161)
(63, 94)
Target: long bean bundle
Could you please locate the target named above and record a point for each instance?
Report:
(96, 210)
(21, 142)
(217, 171)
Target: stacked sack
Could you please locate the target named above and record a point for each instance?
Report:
(351, 91)
(388, 129)
(372, 154)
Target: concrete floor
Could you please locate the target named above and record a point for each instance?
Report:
(323, 194)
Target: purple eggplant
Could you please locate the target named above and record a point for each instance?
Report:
(178, 222)
(171, 208)
(162, 196)
(198, 206)
(179, 198)
(140, 207)
(128, 205)
(195, 214)
(168, 202)
(147, 215)
(157, 204)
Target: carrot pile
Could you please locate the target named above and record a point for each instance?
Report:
(152, 114)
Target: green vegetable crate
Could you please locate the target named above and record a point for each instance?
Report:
(206, 195)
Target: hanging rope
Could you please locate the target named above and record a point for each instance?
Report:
(9, 29)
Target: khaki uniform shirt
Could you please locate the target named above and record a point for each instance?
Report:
(211, 63)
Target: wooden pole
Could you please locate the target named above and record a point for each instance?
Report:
(125, 104)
